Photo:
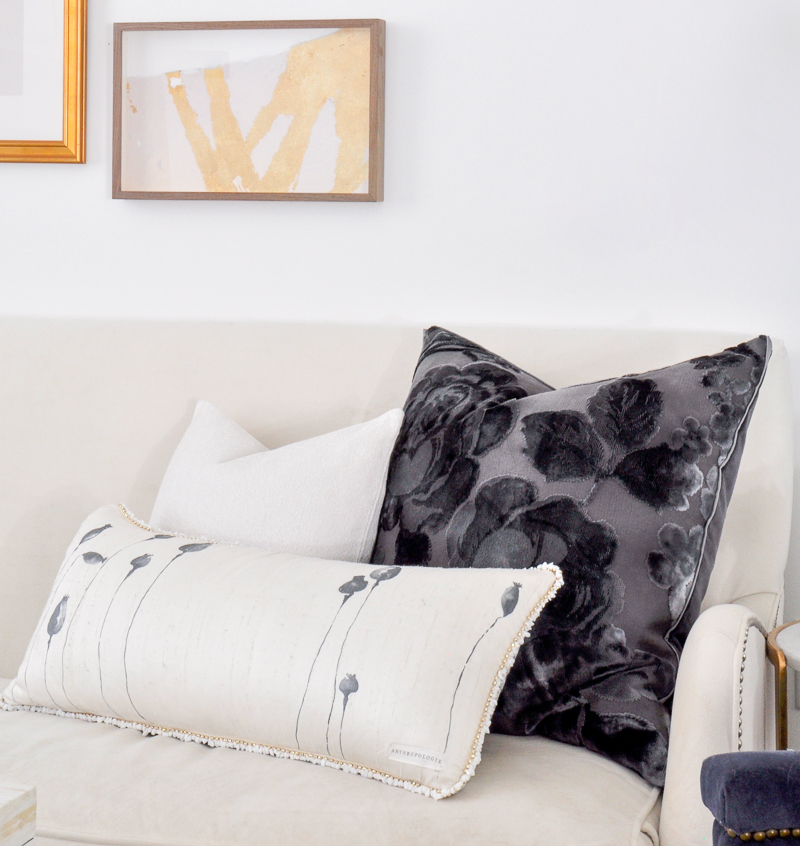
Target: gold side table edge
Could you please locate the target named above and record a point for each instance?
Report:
(777, 658)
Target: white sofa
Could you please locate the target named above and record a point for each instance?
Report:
(90, 413)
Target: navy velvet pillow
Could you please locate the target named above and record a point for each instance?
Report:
(623, 484)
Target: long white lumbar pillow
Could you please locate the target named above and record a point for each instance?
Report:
(389, 672)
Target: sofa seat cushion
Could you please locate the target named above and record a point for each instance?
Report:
(103, 785)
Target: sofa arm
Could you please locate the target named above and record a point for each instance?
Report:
(720, 703)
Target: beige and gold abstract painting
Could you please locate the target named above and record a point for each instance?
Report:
(277, 112)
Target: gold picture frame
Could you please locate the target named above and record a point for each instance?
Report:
(71, 147)
(249, 110)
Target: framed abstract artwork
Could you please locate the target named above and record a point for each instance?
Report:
(42, 80)
(249, 110)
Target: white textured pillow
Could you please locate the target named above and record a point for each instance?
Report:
(390, 672)
(318, 497)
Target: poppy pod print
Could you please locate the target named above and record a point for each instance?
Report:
(382, 574)
(348, 589)
(54, 626)
(347, 686)
(341, 664)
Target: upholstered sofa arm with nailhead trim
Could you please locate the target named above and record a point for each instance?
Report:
(754, 796)
(719, 707)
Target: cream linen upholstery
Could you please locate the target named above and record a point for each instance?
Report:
(91, 411)
(103, 785)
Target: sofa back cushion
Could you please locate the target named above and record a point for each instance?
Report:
(92, 411)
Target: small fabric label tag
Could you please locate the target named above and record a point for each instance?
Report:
(414, 755)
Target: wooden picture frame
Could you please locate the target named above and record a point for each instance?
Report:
(65, 142)
(215, 111)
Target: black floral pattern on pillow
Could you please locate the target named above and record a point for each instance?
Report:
(616, 482)
(454, 415)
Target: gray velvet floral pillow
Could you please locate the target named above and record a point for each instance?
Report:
(623, 484)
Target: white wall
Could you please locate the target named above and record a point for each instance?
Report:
(556, 161)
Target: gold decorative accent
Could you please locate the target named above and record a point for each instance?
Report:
(139, 524)
(135, 520)
(345, 67)
(778, 660)
(324, 69)
(18, 822)
(71, 148)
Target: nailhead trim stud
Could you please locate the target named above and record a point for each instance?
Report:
(769, 834)
(741, 686)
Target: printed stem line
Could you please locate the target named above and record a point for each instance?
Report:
(338, 661)
(308, 680)
(356, 584)
(186, 548)
(382, 574)
(508, 602)
(54, 626)
(54, 591)
(461, 676)
(135, 564)
(348, 686)
(75, 614)
(341, 726)
(46, 687)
